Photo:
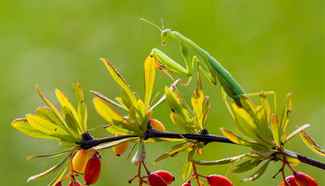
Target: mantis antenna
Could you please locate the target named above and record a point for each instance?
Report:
(151, 23)
(162, 21)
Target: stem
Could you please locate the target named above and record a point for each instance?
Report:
(305, 159)
(205, 138)
(196, 174)
(87, 144)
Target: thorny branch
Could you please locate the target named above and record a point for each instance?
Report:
(206, 138)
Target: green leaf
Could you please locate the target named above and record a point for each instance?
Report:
(118, 104)
(198, 102)
(23, 126)
(174, 151)
(117, 130)
(65, 103)
(263, 119)
(59, 177)
(82, 107)
(50, 155)
(54, 109)
(42, 124)
(140, 154)
(179, 114)
(248, 127)
(297, 131)
(45, 126)
(285, 117)
(173, 100)
(220, 161)
(45, 112)
(117, 77)
(48, 171)
(106, 111)
(71, 121)
(258, 173)
(311, 143)
(229, 107)
(233, 137)
(187, 170)
(247, 165)
(275, 130)
(149, 77)
(114, 143)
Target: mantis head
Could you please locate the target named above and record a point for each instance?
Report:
(165, 33)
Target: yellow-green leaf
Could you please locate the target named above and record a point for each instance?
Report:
(246, 165)
(117, 77)
(173, 100)
(311, 143)
(297, 131)
(59, 177)
(48, 171)
(43, 125)
(233, 137)
(71, 121)
(82, 107)
(174, 151)
(247, 127)
(223, 161)
(64, 102)
(259, 172)
(117, 130)
(52, 107)
(187, 170)
(225, 99)
(285, 117)
(198, 100)
(275, 129)
(106, 111)
(149, 77)
(23, 126)
(49, 114)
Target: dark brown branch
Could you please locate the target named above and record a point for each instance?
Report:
(206, 138)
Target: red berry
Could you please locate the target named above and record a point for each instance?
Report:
(165, 175)
(299, 179)
(218, 180)
(74, 183)
(58, 183)
(80, 159)
(304, 179)
(291, 181)
(187, 184)
(156, 180)
(92, 170)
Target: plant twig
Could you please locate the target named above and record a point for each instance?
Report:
(206, 138)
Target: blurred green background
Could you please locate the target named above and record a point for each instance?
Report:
(267, 45)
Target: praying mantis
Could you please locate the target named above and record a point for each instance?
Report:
(193, 54)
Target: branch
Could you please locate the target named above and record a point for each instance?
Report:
(89, 143)
(206, 138)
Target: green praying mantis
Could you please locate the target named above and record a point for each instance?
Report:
(193, 54)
